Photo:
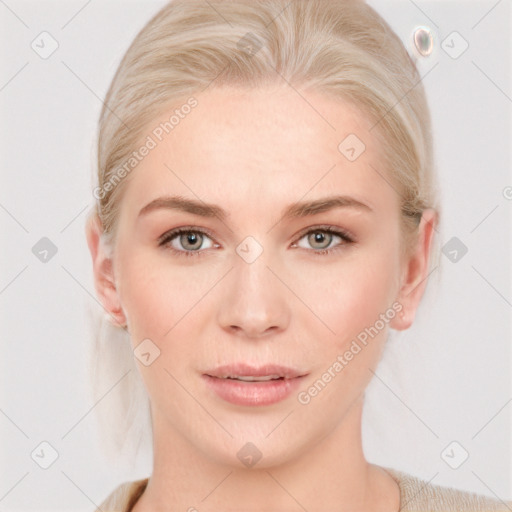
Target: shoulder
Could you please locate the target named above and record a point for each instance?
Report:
(123, 497)
(420, 496)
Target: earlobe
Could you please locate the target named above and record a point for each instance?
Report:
(103, 272)
(415, 272)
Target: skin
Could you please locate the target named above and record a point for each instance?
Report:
(254, 152)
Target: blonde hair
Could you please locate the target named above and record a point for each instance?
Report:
(342, 48)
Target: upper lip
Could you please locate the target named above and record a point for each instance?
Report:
(247, 370)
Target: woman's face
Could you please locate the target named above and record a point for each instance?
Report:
(251, 285)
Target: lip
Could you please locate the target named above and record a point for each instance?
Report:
(253, 393)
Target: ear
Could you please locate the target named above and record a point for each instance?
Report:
(415, 271)
(103, 271)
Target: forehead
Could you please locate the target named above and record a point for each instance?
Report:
(273, 142)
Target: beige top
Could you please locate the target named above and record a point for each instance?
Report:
(416, 495)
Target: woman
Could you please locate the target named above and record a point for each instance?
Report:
(266, 196)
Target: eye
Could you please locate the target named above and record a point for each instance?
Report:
(186, 241)
(324, 239)
(189, 241)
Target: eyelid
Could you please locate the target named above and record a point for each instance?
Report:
(172, 233)
(341, 232)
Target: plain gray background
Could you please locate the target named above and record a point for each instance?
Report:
(446, 379)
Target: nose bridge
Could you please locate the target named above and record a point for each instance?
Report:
(253, 301)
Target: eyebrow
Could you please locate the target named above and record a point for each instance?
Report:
(295, 210)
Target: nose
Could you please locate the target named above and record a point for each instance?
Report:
(253, 302)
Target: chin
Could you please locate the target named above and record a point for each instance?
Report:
(251, 455)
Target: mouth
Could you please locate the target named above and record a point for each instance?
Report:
(242, 384)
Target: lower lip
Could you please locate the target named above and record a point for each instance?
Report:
(252, 393)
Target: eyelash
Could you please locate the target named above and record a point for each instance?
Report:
(166, 238)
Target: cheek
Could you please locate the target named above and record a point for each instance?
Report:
(350, 299)
(155, 295)
(163, 300)
(351, 296)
